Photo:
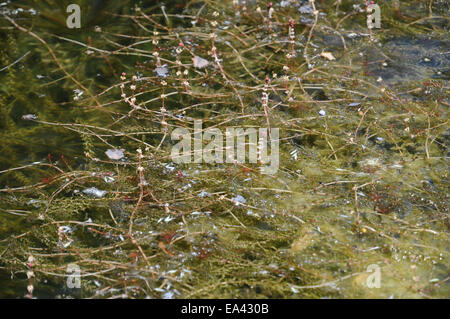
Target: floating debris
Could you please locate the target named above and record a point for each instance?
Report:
(199, 62)
(65, 229)
(108, 179)
(78, 94)
(328, 55)
(306, 9)
(239, 200)
(162, 71)
(93, 191)
(203, 194)
(67, 244)
(114, 154)
(165, 219)
(169, 167)
(374, 162)
(30, 117)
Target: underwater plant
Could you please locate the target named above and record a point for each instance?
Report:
(91, 195)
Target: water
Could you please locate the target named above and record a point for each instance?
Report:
(363, 177)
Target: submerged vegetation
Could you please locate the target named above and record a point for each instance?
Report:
(87, 178)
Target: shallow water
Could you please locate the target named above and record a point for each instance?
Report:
(363, 178)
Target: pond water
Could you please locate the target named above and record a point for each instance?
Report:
(358, 207)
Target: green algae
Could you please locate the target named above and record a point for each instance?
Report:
(365, 184)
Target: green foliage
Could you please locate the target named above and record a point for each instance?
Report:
(362, 182)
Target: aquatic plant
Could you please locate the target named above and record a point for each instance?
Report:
(87, 178)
